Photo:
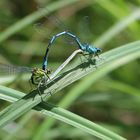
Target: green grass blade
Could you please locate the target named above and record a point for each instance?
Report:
(85, 83)
(125, 88)
(113, 59)
(117, 28)
(81, 123)
(5, 94)
(68, 117)
(118, 12)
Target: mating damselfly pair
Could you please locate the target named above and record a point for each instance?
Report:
(85, 48)
(40, 77)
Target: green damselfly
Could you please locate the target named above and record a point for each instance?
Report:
(38, 76)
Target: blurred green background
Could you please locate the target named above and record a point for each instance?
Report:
(107, 24)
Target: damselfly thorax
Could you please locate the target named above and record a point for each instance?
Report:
(40, 77)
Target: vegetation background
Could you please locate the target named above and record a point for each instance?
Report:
(112, 101)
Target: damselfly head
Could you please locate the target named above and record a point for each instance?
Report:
(34, 70)
(38, 71)
(98, 50)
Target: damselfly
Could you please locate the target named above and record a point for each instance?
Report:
(85, 47)
(39, 77)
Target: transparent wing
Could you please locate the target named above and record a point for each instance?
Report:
(84, 27)
(46, 27)
(42, 29)
(9, 69)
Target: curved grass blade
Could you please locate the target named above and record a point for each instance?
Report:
(113, 59)
(68, 117)
(85, 83)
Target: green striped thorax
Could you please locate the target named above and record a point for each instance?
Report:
(39, 76)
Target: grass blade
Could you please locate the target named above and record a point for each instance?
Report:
(68, 117)
(113, 59)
